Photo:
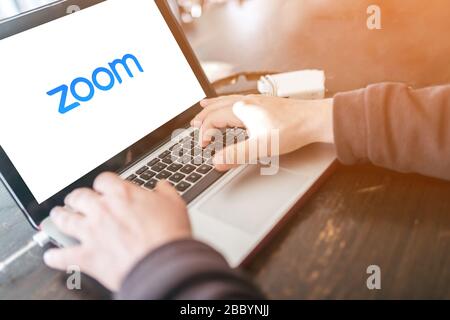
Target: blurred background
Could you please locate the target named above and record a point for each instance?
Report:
(256, 36)
(186, 10)
(9, 8)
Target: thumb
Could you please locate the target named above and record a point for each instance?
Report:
(236, 154)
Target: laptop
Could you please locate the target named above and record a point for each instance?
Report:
(113, 87)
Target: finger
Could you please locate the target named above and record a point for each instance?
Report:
(68, 222)
(207, 102)
(200, 117)
(85, 201)
(164, 187)
(218, 119)
(236, 154)
(61, 259)
(111, 184)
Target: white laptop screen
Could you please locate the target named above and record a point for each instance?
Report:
(78, 90)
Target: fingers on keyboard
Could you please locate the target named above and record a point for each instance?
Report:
(184, 163)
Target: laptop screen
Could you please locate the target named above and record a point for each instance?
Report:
(78, 90)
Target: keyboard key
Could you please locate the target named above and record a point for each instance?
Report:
(164, 154)
(177, 177)
(131, 177)
(169, 159)
(185, 140)
(242, 136)
(188, 143)
(164, 175)
(195, 137)
(179, 152)
(174, 167)
(159, 167)
(239, 131)
(230, 138)
(213, 148)
(196, 151)
(208, 153)
(185, 159)
(151, 184)
(193, 177)
(204, 169)
(142, 170)
(138, 182)
(187, 169)
(194, 133)
(182, 186)
(153, 162)
(198, 161)
(175, 146)
(147, 175)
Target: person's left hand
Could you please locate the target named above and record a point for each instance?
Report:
(117, 224)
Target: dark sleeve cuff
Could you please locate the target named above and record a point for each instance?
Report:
(350, 127)
(185, 269)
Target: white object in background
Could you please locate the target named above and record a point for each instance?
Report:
(8, 9)
(305, 84)
(216, 70)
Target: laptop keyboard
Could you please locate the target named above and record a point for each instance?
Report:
(184, 164)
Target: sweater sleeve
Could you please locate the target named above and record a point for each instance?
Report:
(186, 270)
(396, 127)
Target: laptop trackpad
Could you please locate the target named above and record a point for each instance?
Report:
(251, 200)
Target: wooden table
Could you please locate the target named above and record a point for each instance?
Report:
(362, 215)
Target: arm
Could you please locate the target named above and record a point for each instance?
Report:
(186, 269)
(396, 127)
(389, 125)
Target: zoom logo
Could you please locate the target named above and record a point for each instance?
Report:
(102, 79)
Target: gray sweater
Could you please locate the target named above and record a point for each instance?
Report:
(186, 270)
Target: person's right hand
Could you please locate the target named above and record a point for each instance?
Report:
(299, 123)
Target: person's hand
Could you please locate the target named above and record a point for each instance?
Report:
(117, 224)
(298, 122)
